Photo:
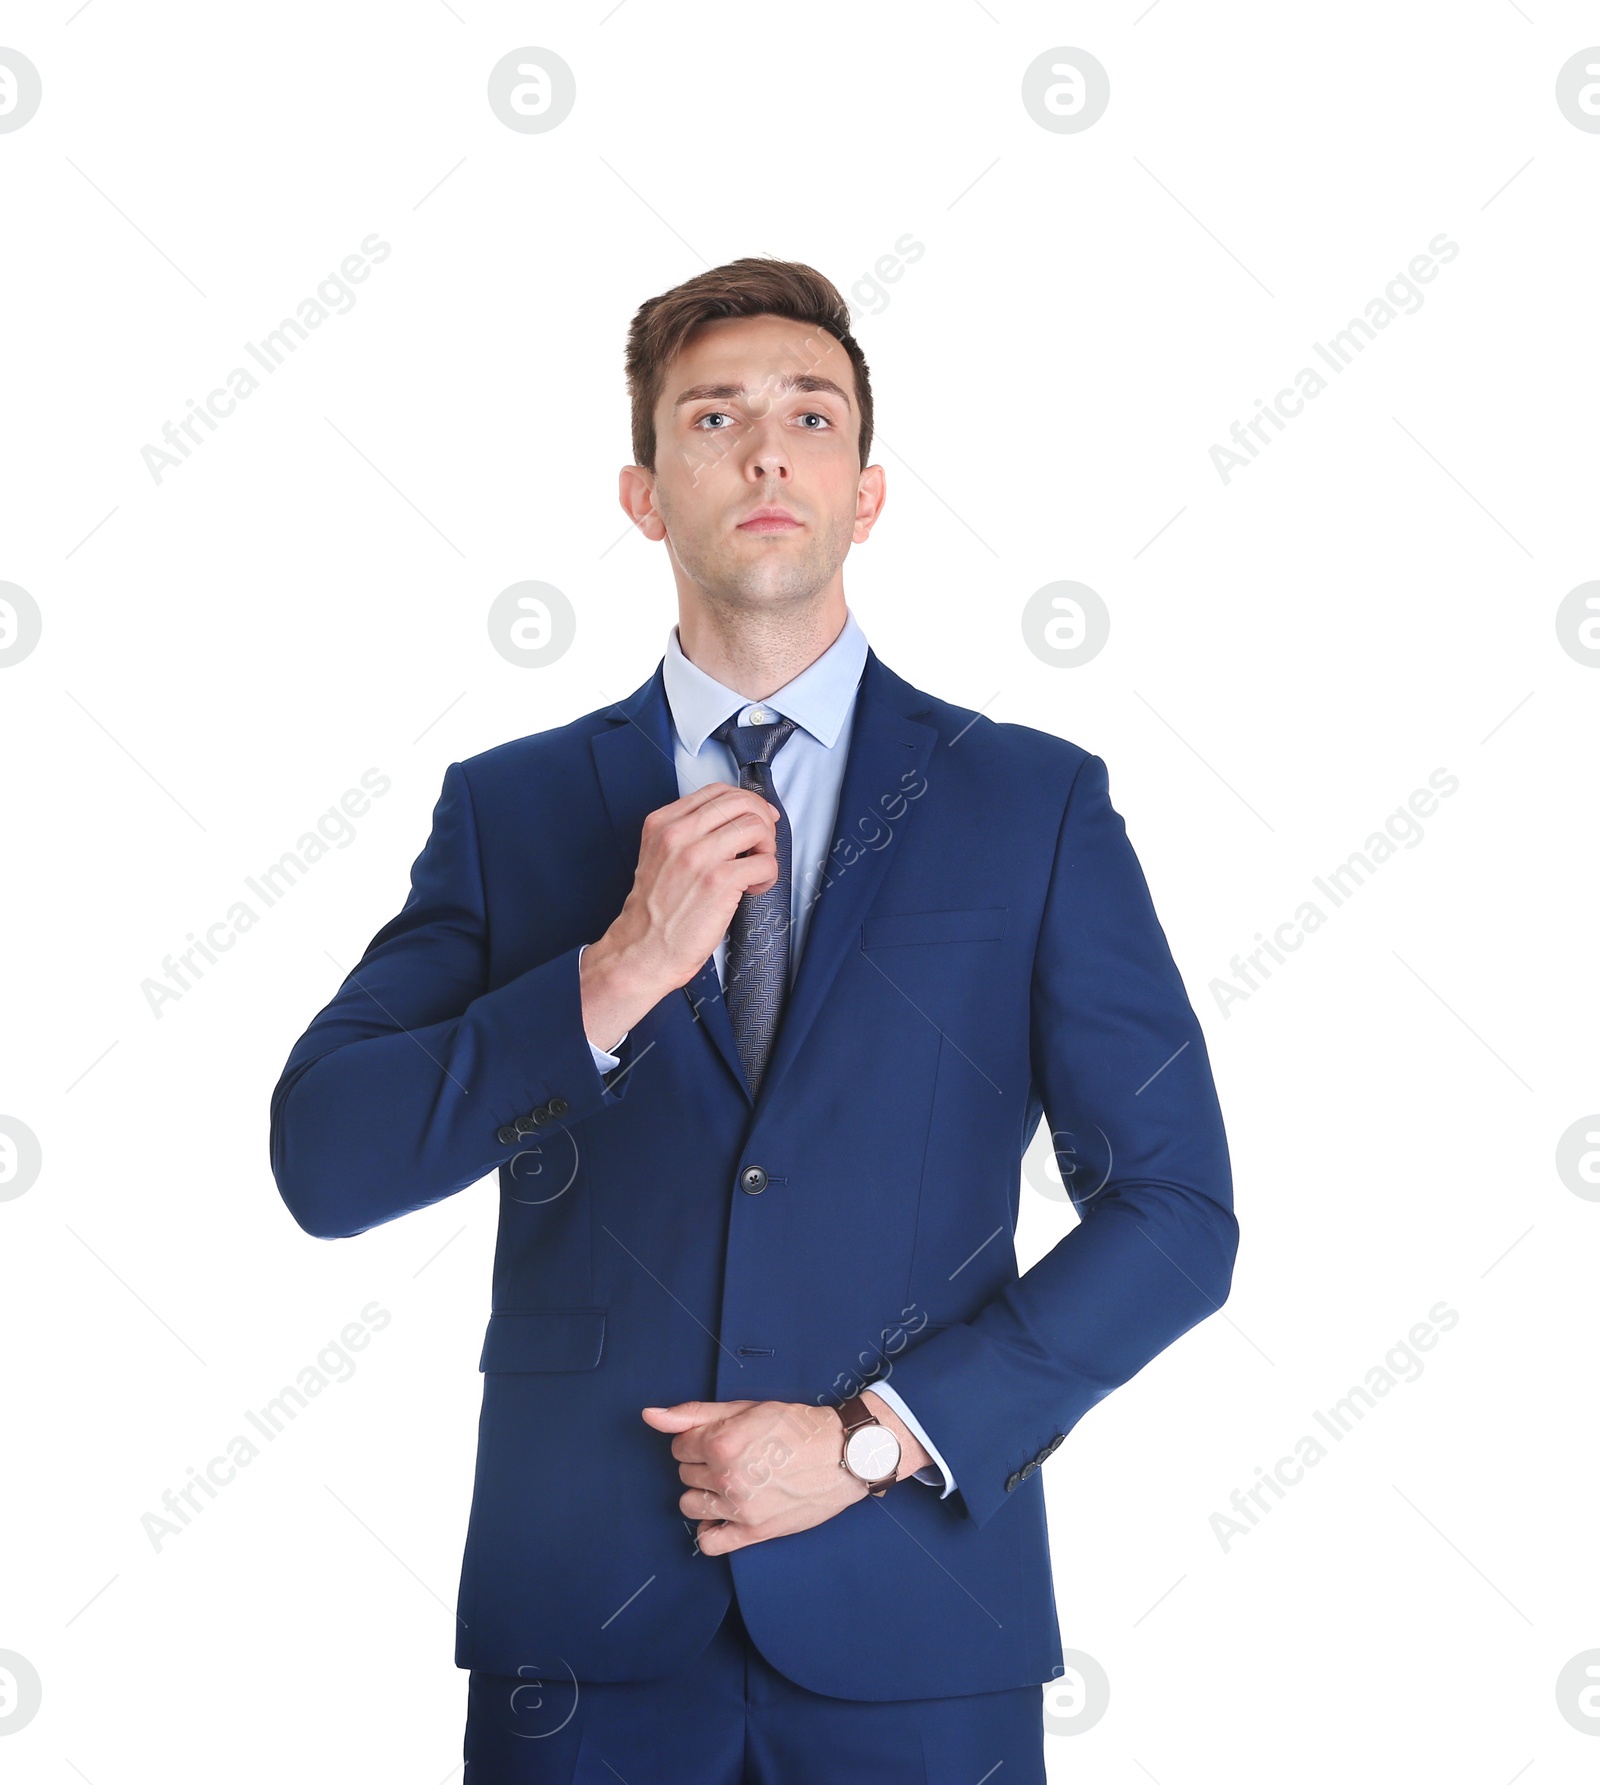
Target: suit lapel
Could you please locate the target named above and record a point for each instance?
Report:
(635, 763)
(889, 753)
(888, 758)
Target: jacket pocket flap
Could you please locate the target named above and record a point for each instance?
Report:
(544, 1339)
(934, 926)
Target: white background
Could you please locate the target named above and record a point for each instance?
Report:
(225, 652)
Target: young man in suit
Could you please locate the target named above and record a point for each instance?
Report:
(755, 987)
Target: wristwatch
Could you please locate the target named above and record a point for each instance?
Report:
(871, 1450)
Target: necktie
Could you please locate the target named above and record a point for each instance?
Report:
(756, 967)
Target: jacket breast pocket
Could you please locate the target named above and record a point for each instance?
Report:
(519, 1343)
(985, 924)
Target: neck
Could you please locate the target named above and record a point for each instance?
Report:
(757, 652)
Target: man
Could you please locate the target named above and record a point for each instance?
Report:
(755, 987)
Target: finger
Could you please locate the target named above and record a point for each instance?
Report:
(752, 834)
(705, 1525)
(684, 1416)
(728, 799)
(736, 845)
(709, 794)
(717, 1540)
(756, 871)
(699, 813)
(703, 1504)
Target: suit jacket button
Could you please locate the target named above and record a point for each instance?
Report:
(524, 1125)
(1054, 1444)
(753, 1180)
(539, 1116)
(505, 1135)
(1011, 1481)
(1028, 1469)
(558, 1106)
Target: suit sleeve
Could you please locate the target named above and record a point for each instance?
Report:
(407, 1087)
(1121, 1067)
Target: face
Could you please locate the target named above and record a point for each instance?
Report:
(757, 413)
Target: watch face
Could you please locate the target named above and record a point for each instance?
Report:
(872, 1452)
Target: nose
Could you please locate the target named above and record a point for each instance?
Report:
(769, 455)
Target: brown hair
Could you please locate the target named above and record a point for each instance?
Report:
(662, 325)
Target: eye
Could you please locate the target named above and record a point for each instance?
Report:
(710, 416)
(817, 415)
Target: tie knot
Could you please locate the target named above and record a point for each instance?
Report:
(754, 743)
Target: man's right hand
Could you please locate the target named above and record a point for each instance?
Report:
(697, 858)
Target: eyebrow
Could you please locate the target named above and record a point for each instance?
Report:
(790, 381)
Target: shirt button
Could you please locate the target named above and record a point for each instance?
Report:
(753, 1180)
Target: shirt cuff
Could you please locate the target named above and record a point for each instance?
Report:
(609, 1062)
(938, 1469)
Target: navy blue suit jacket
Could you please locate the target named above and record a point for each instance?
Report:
(984, 952)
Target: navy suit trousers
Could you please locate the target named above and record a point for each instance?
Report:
(730, 1718)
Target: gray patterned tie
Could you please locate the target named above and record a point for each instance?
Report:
(756, 967)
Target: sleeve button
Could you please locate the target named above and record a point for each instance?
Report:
(1011, 1481)
(525, 1125)
(558, 1106)
(506, 1135)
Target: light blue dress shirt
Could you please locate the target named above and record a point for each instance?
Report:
(807, 772)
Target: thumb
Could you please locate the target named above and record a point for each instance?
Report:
(683, 1416)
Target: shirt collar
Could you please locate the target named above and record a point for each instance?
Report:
(818, 699)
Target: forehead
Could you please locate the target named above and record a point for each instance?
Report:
(761, 353)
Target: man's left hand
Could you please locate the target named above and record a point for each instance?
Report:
(759, 1469)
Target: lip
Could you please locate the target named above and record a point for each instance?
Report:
(769, 520)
